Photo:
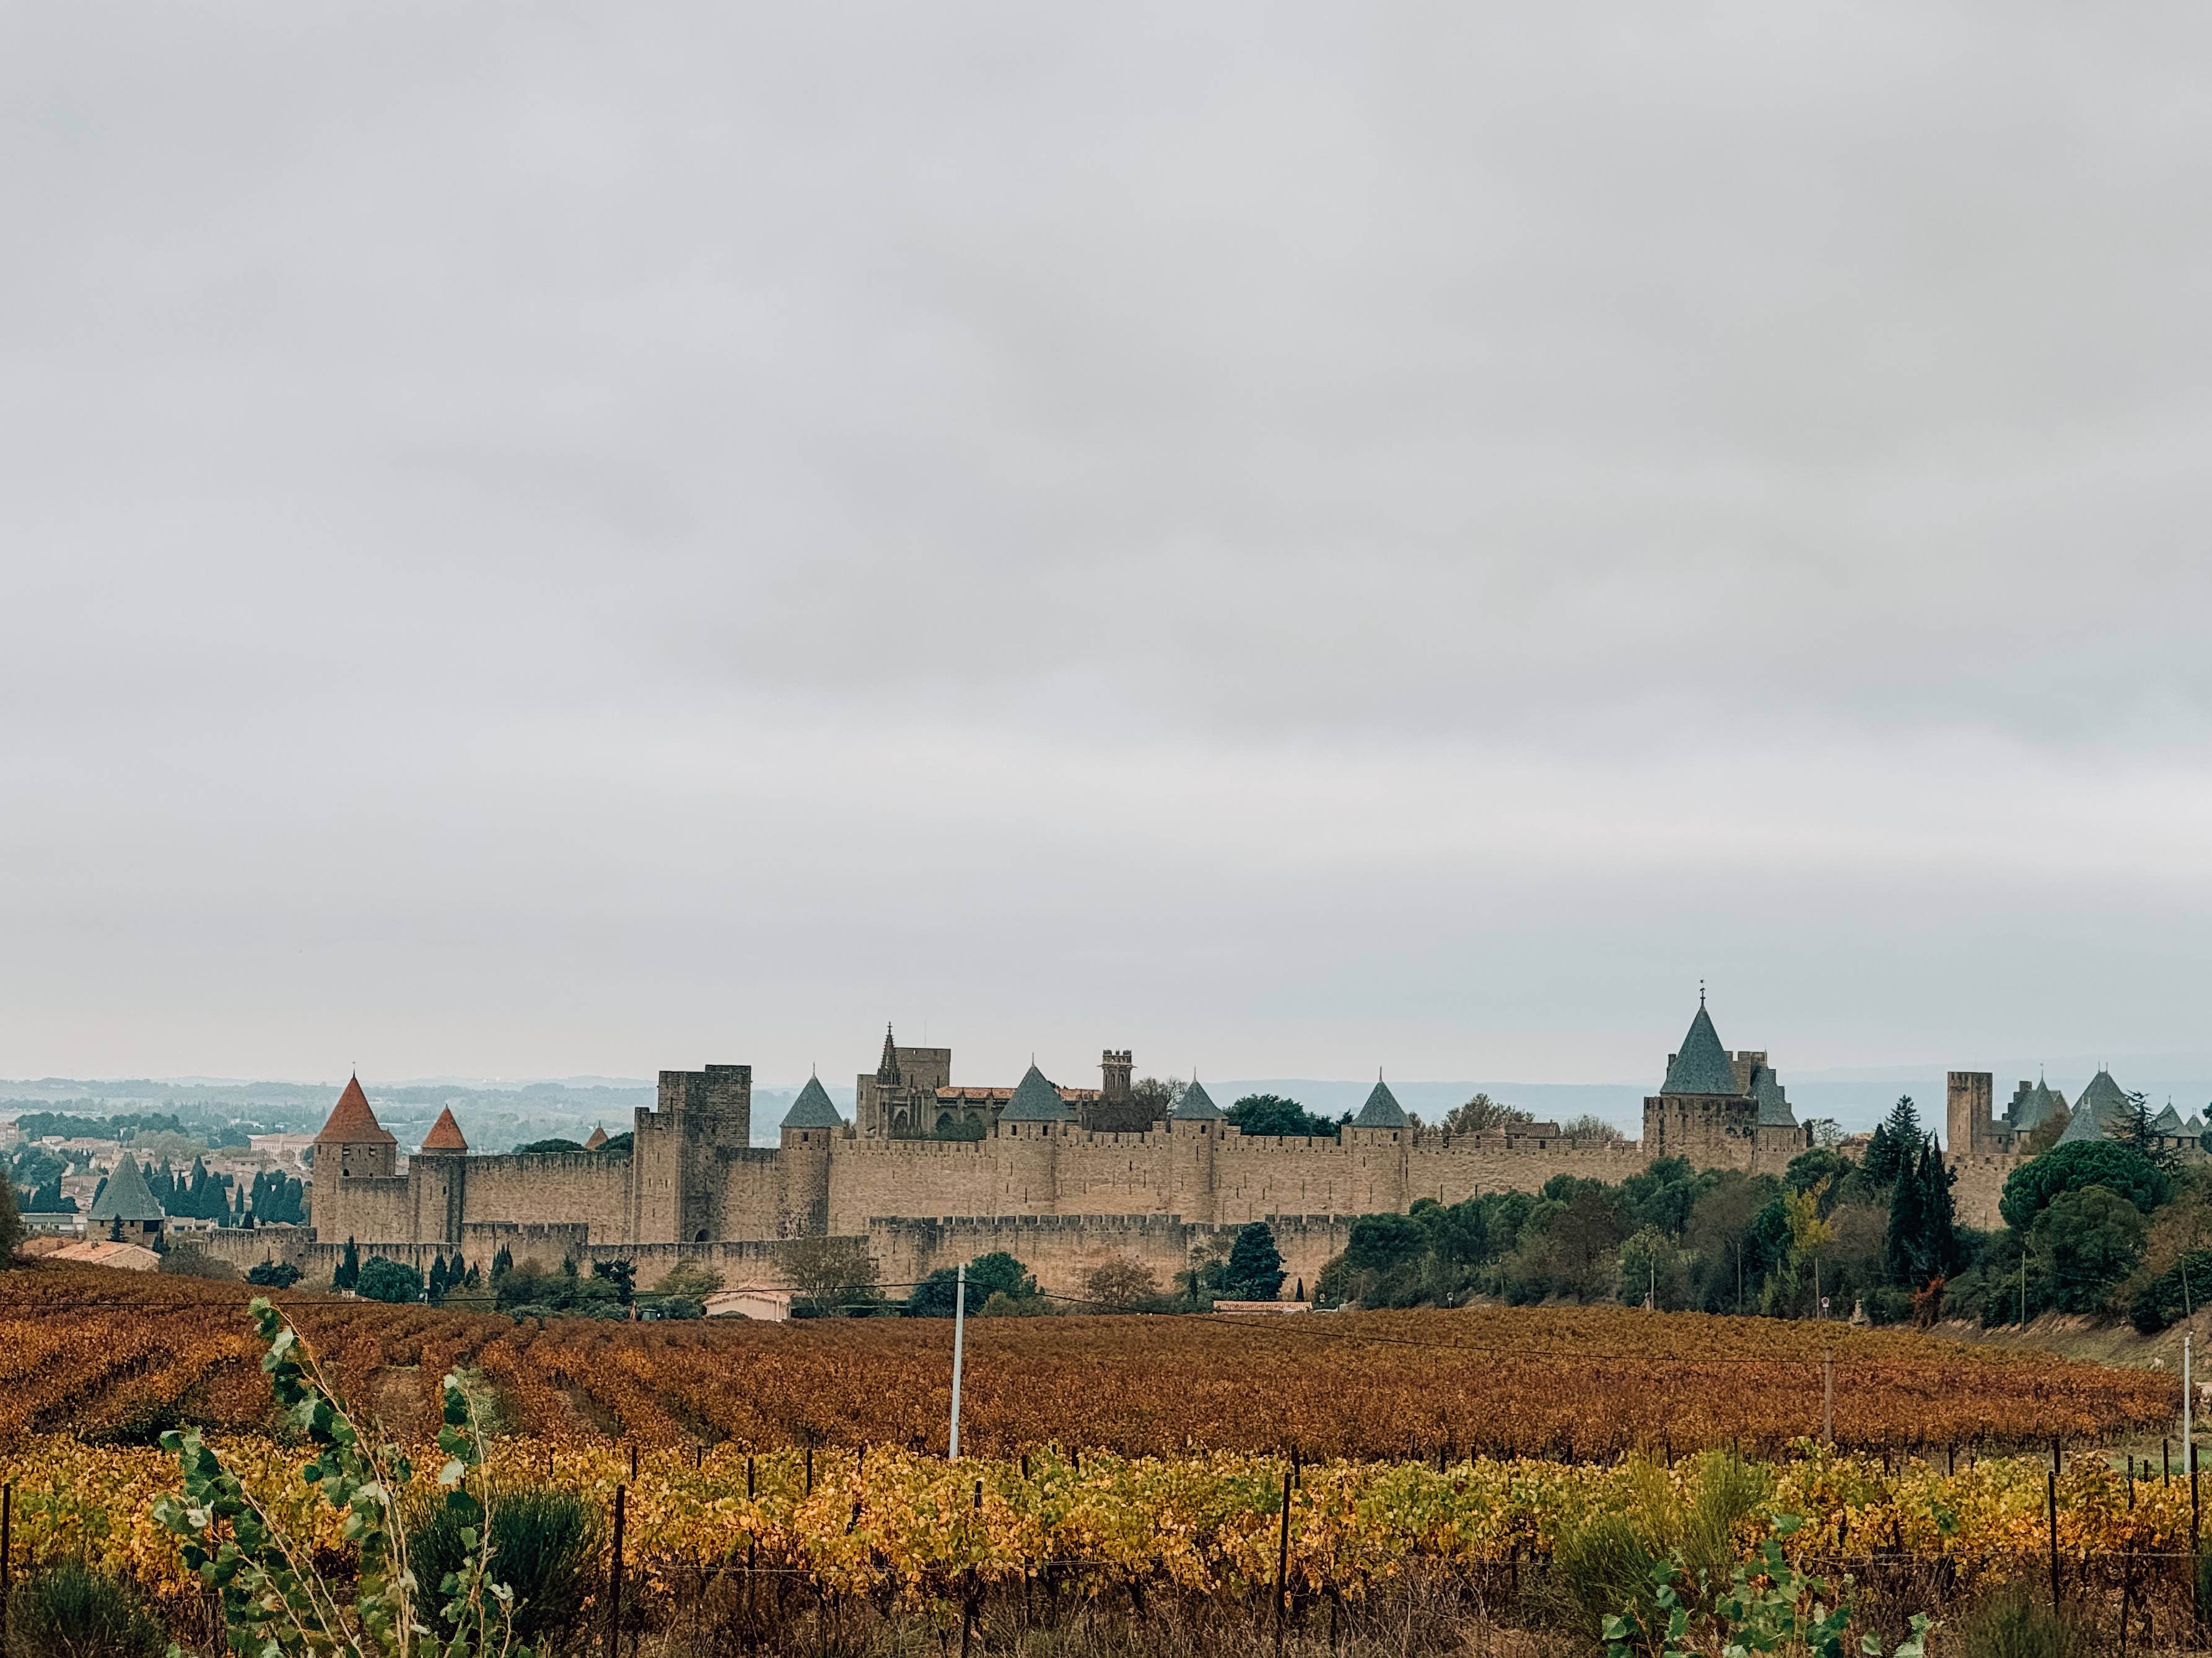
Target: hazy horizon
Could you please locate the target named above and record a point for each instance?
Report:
(1295, 539)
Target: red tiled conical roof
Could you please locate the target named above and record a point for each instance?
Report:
(444, 1134)
(353, 1122)
(598, 1138)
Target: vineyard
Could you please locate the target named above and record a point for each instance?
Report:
(889, 1523)
(112, 1358)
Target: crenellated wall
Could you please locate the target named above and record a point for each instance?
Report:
(577, 1187)
(1061, 1250)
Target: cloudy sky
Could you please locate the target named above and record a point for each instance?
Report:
(577, 539)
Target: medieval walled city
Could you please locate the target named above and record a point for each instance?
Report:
(930, 1172)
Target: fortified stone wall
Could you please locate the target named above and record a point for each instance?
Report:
(751, 1197)
(364, 1207)
(1062, 1250)
(742, 1266)
(581, 1188)
(1979, 1184)
(895, 1177)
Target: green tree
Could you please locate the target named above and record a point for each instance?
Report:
(996, 1273)
(2085, 1242)
(1662, 1193)
(2077, 1164)
(1254, 1271)
(1459, 1233)
(11, 1226)
(1384, 1242)
(1905, 1247)
(622, 1274)
(1945, 1253)
(1730, 1261)
(1896, 1144)
(348, 1271)
(2174, 1294)
(2136, 1131)
(388, 1280)
(1653, 1271)
(540, 1148)
(1827, 1172)
(1272, 1114)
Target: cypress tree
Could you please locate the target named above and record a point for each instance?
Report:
(348, 1271)
(435, 1290)
(1904, 1247)
(1896, 1144)
(1946, 1252)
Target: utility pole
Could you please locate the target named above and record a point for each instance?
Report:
(2188, 1427)
(1827, 1395)
(959, 1330)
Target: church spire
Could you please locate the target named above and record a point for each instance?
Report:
(887, 1070)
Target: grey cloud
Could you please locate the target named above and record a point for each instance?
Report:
(688, 481)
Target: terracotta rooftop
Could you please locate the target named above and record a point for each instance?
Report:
(597, 1139)
(444, 1134)
(352, 1121)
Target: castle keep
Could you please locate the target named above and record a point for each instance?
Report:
(1062, 1195)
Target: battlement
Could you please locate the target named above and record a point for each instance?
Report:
(543, 1163)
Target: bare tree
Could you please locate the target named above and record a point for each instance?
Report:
(828, 1275)
(1595, 1131)
(1482, 1115)
(1121, 1284)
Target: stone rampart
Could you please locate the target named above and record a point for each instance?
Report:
(575, 1188)
(1062, 1250)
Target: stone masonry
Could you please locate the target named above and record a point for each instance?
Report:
(1062, 1197)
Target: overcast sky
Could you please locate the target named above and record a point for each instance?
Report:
(550, 539)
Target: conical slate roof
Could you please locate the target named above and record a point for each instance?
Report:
(1774, 1110)
(2104, 1098)
(813, 1108)
(2167, 1121)
(1382, 1109)
(2194, 1128)
(2082, 1125)
(444, 1134)
(1196, 1105)
(351, 1121)
(1702, 1066)
(126, 1196)
(1036, 1100)
(2035, 1107)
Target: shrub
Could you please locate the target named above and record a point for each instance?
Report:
(1885, 1304)
(545, 1547)
(388, 1280)
(2015, 1624)
(273, 1274)
(2174, 1294)
(1599, 1568)
(71, 1611)
(190, 1260)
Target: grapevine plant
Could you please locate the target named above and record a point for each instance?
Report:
(277, 1602)
(1770, 1606)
